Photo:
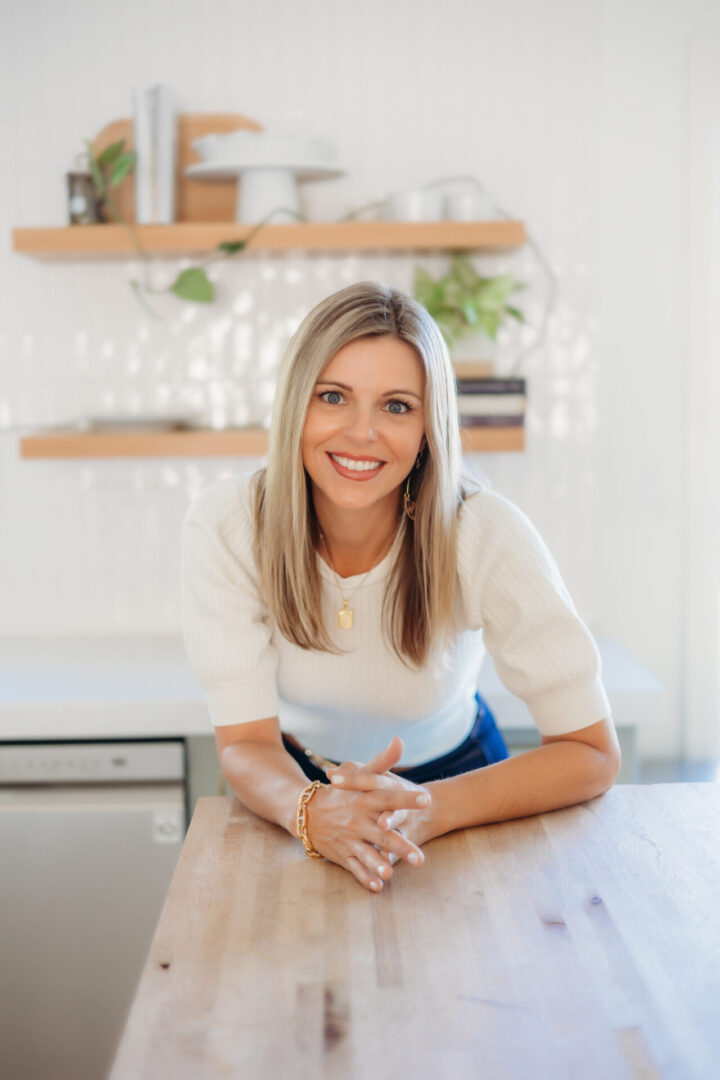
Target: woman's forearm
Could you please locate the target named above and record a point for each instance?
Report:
(266, 779)
(552, 776)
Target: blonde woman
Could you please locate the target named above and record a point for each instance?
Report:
(337, 605)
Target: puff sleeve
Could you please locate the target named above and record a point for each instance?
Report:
(512, 589)
(226, 627)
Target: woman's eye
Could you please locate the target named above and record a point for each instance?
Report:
(398, 407)
(332, 397)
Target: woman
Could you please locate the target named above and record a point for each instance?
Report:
(337, 603)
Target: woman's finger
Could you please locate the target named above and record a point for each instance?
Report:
(384, 792)
(381, 763)
(359, 781)
(395, 842)
(397, 799)
(392, 857)
(371, 881)
(387, 757)
(392, 819)
(347, 767)
(365, 781)
(375, 861)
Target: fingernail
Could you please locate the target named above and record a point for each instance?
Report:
(422, 800)
(414, 858)
(375, 885)
(337, 779)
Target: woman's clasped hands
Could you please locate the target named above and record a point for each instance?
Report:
(353, 821)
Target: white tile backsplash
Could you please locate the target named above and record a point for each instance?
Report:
(571, 115)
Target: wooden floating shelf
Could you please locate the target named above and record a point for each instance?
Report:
(186, 237)
(209, 443)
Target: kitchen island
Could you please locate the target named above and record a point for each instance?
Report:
(583, 942)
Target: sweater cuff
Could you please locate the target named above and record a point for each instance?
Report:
(574, 708)
(241, 703)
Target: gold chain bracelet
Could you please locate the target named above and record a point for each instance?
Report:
(305, 797)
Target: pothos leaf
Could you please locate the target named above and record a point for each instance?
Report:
(463, 271)
(193, 284)
(490, 322)
(231, 247)
(470, 312)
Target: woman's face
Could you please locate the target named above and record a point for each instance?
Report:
(364, 426)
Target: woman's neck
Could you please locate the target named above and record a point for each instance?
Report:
(355, 542)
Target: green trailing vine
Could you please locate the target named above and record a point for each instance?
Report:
(461, 302)
(108, 169)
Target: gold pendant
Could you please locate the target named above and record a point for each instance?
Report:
(345, 617)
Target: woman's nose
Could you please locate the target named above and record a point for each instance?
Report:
(360, 425)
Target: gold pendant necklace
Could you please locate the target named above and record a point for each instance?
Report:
(345, 614)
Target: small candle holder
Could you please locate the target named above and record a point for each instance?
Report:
(83, 204)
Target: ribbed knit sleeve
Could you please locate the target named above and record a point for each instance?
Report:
(226, 626)
(512, 589)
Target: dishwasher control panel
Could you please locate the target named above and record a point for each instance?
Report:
(91, 762)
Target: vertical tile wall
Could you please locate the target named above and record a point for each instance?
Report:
(91, 546)
(569, 111)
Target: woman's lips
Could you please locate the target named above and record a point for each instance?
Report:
(352, 474)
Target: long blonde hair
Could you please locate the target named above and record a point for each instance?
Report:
(420, 589)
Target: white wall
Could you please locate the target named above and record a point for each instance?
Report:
(575, 114)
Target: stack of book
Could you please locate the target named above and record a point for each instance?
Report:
(485, 401)
(155, 139)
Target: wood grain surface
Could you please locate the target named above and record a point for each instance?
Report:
(226, 442)
(582, 943)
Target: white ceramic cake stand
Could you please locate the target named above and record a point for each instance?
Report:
(263, 187)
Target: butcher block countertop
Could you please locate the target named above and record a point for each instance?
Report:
(579, 943)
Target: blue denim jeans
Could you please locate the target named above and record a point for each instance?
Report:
(483, 746)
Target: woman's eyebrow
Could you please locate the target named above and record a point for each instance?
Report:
(344, 386)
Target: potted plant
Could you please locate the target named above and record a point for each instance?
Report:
(464, 303)
(107, 170)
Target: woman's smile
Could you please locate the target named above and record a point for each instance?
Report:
(356, 468)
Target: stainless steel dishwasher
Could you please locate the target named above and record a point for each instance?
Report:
(89, 836)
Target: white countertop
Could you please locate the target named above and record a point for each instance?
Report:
(69, 688)
(140, 687)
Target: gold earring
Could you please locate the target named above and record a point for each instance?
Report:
(409, 502)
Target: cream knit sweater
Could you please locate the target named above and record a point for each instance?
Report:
(510, 600)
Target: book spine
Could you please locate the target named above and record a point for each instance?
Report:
(490, 404)
(490, 386)
(492, 421)
(165, 154)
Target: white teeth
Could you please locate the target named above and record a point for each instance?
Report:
(356, 466)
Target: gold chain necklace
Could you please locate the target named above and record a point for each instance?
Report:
(345, 615)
